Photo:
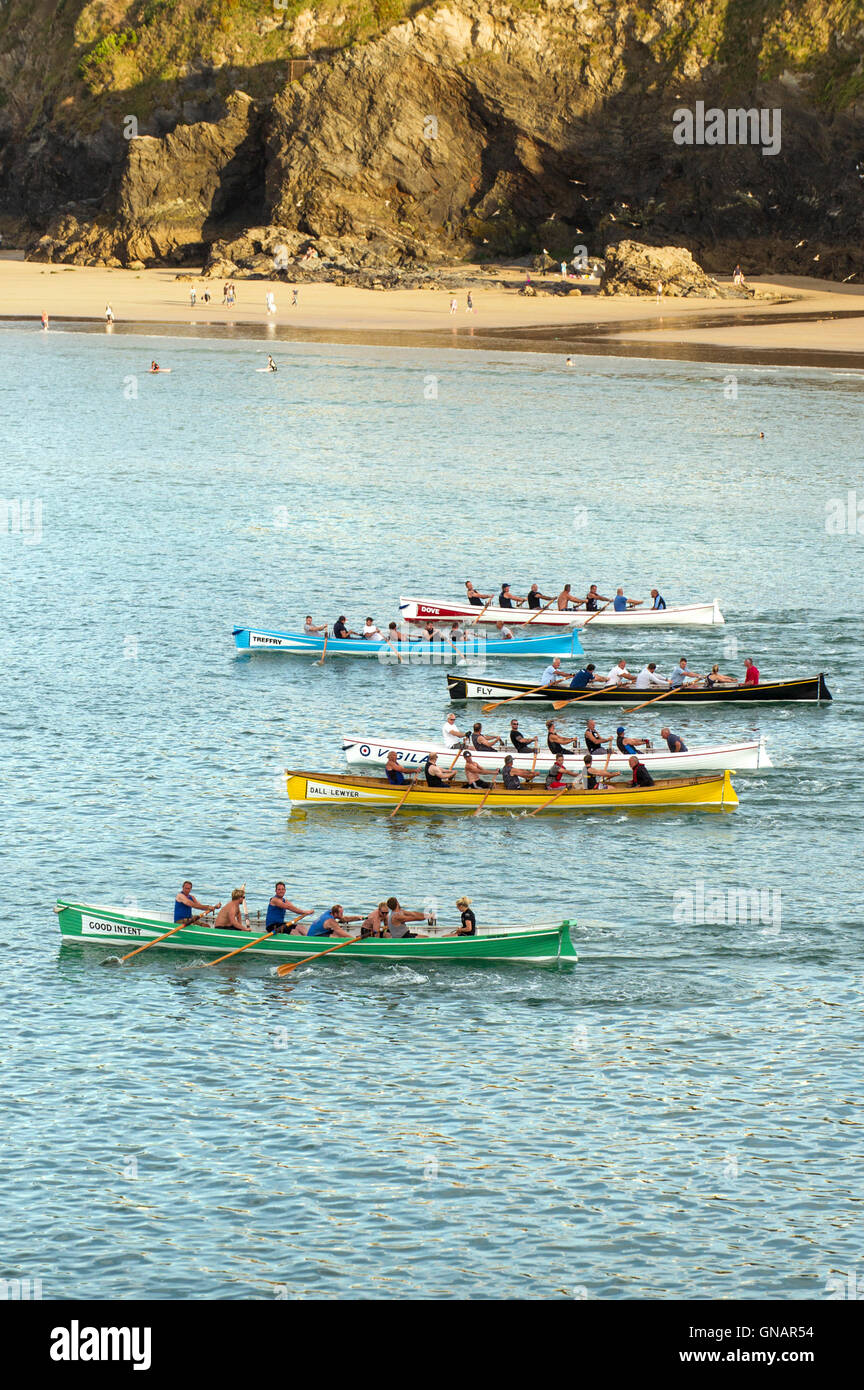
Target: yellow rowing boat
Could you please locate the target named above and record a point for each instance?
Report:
(712, 792)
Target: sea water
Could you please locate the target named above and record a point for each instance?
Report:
(676, 1116)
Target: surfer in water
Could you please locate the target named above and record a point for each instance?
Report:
(271, 365)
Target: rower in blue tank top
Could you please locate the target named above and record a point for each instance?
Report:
(277, 908)
(333, 922)
(185, 902)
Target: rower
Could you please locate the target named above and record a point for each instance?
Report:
(310, 629)
(594, 740)
(452, 737)
(751, 674)
(333, 922)
(371, 632)
(437, 776)
(621, 604)
(513, 780)
(594, 779)
(392, 771)
(474, 773)
(555, 775)
(619, 675)
(521, 742)
(400, 917)
(456, 634)
(341, 631)
(565, 600)
(641, 776)
(555, 742)
(584, 679)
(469, 921)
(630, 745)
(535, 598)
(475, 598)
(714, 678)
(553, 675)
(485, 743)
(674, 742)
(503, 632)
(185, 902)
(229, 917)
(648, 679)
(592, 599)
(430, 633)
(657, 599)
(508, 600)
(277, 908)
(682, 675)
(377, 922)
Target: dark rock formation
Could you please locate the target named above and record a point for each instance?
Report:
(632, 268)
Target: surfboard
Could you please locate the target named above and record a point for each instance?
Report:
(159, 371)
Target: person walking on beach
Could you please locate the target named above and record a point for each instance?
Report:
(225, 293)
(454, 305)
(109, 314)
(659, 290)
(294, 294)
(271, 302)
(191, 296)
(232, 293)
(206, 295)
(469, 304)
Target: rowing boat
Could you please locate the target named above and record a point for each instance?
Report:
(713, 791)
(419, 610)
(109, 926)
(416, 651)
(811, 689)
(737, 757)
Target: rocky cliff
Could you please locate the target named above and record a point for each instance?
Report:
(154, 130)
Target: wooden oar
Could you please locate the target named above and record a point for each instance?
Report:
(646, 703)
(403, 799)
(476, 620)
(188, 922)
(487, 795)
(523, 695)
(549, 802)
(559, 704)
(294, 964)
(245, 947)
(539, 611)
(590, 620)
(324, 652)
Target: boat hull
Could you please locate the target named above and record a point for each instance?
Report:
(711, 792)
(737, 757)
(101, 926)
(811, 690)
(416, 610)
(415, 652)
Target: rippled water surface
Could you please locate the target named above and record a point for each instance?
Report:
(678, 1115)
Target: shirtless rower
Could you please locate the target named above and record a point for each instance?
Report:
(474, 772)
(377, 922)
(566, 600)
(186, 902)
(229, 918)
(475, 598)
(485, 743)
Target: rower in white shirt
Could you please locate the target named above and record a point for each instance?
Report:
(553, 675)
(648, 679)
(619, 675)
(452, 736)
(371, 632)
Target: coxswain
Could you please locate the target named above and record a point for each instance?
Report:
(682, 675)
(475, 598)
(620, 603)
(513, 780)
(553, 675)
(521, 742)
(536, 599)
(629, 745)
(641, 776)
(648, 679)
(229, 918)
(485, 743)
(392, 770)
(186, 902)
(751, 674)
(469, 921)
(555, 741)
(437, 776)
(674, 742)
(400, 917)
(333, 922)
(714, 677)
(585, 679)
(619, 675)
(310, 629)
(277, 908)
(594, 740)
(657, 599)
(452, 737)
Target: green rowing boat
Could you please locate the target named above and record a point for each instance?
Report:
(107, 926)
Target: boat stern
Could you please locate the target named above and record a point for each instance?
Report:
(824, 692)
(728, 794)
(566, 949)
(458, 687)
(717, 619)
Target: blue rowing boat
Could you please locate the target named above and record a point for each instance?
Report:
(416, 650)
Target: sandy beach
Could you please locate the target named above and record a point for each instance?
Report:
(794, 317)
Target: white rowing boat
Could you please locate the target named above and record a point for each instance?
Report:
(418, 610)
(718, 757)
